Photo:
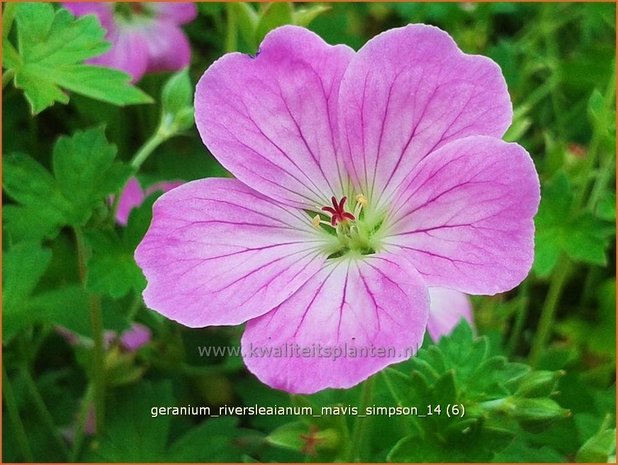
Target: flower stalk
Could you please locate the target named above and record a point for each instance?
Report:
(96, 322)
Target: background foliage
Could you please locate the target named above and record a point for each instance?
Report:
(536, 379)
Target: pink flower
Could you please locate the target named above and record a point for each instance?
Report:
(130, 340)
(404, 137)
(133, 196)
(447, 309)
(145, 37)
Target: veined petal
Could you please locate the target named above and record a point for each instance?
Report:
(178, 13)
(219, 253)
(447, 309)
(406, 93)
(466, 217)
(168, 47)
(271, 119)
(376, 306)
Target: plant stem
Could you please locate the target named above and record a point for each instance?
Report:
(594, 149)
(13, 412)
(149, 146)
(231, 33)
(520, 318)
(82, 418)
(42, 410)
(96, 322)
(548, 311)
(360, 431)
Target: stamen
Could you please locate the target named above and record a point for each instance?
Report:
(315, 222)
(361, 201)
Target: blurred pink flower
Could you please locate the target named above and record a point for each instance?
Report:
(145, 37)
(133, 196)
(130, 340)
(408, 129)
(446, 310)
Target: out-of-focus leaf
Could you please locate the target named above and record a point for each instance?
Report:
(274, 15)
(598, 448)
(304, 16)
(247, 21)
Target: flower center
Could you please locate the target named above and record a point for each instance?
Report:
(356, 233)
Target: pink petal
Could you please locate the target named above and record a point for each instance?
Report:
(447, 309)
(135, 337)
(219, 253)
(103, 11)
(465, 219)
(129, 52)
(271, 120)
(178, 13)
(409, 91)
(168, 47)
(163, 186)
(132, 196)
(377, 302)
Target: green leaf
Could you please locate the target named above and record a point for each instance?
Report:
(598, 448)
(581, 236)
(177, 93)
(52, 45)
(596, 106)
(85, 173)
(85, 170)
(113, 252)
(22, 268)
(132, 434)
(43, 206)
(221, 446)
(247, 21)
(606, 208)
(304, 16)
(274, 15)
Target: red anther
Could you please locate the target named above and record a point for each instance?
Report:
(339, 215)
